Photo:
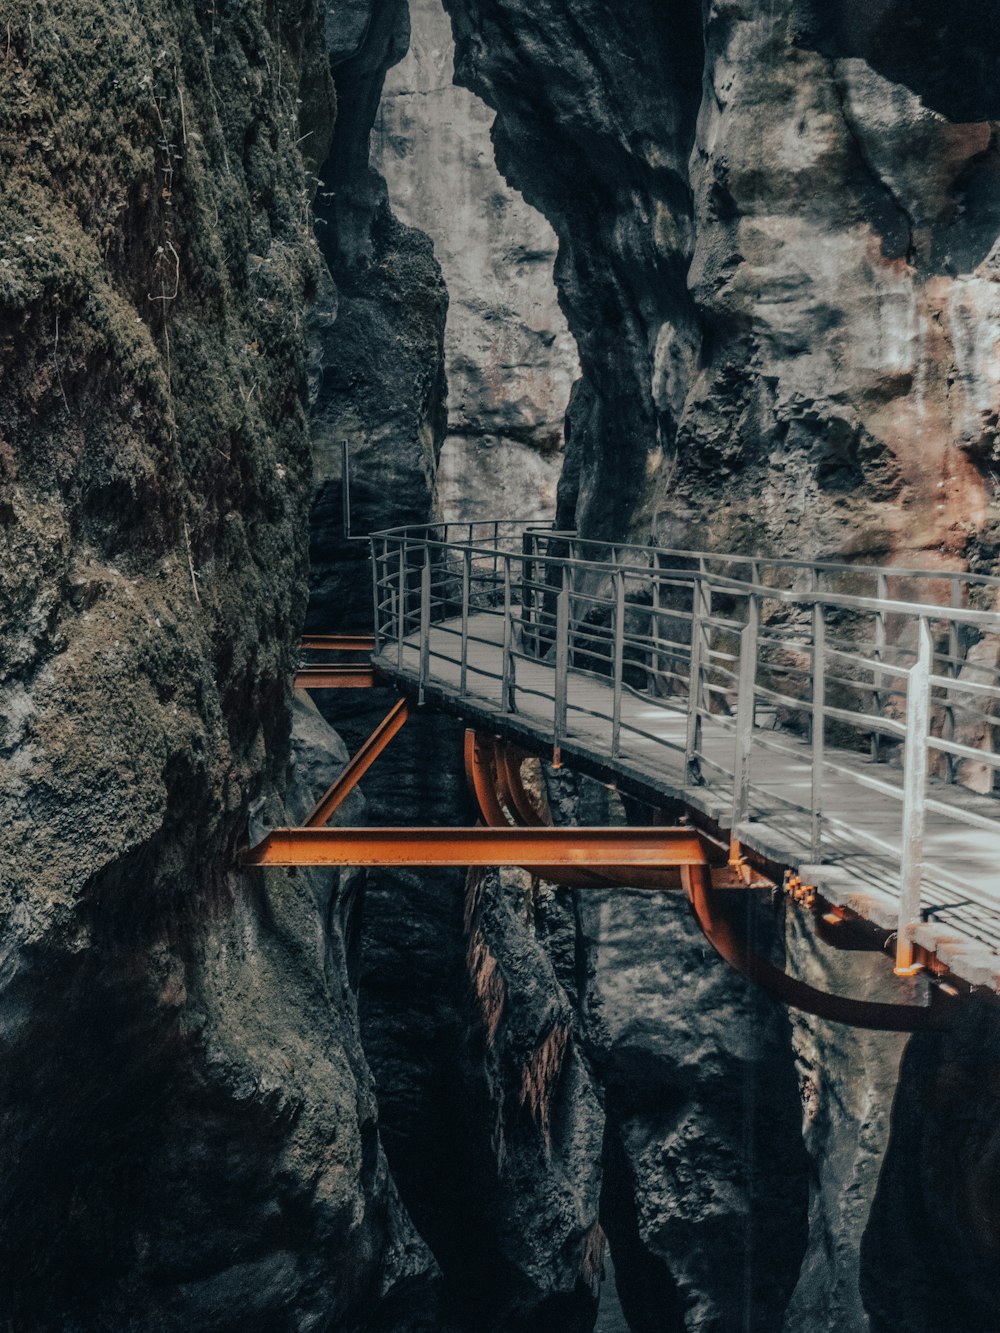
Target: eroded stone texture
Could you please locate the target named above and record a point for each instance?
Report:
(930, 1250)
(847, 1080)
(382, 385)
(510, 358)
(778, 261)
(187, 1125)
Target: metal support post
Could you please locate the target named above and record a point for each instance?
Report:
(562, 666)
(466, 586)
(425, 621)
(881, 592)
(954, 653)
(507, 673)
(745, 708)
(818, 728)
(377, 563)
(618, 664)
(693, 740)
(918, 717)
(401, 623)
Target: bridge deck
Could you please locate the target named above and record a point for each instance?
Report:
(862, 825)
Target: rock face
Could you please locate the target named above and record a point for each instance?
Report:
(929, 1253)
(186, 1116)
(510, 358)
(379, 339)
(777, 235)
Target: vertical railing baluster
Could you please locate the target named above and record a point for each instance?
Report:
(954, 653)
(882, 593)
(818, 730)
(376, 626)
(562, 671)
(911, 871)
(618, 665)
(466, 588)
(507, 673)
(656, 661)
(527, 597)
(692, 744)
(745, 707)
(401, 623)
(425, 621)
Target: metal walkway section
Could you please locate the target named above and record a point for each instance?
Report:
(832, 721)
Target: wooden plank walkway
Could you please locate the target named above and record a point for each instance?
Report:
(862, 801)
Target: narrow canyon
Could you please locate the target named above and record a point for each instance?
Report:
(713, 274)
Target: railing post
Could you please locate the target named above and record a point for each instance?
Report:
(376, 609)
(425, 621)
(562, 670)
(693, 740)
(618, 665)
(401, 623)
(656, 661)
(507, 680)
(918, 717)
(954, 653)
(466, 592)
(818, 729)
(881, 592)
(528, 636)
(745, 708)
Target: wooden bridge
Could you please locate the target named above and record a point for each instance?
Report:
(829, 726)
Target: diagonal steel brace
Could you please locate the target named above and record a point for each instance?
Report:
(389, 727)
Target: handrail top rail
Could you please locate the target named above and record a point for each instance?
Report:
(543, 527)
(987, 620)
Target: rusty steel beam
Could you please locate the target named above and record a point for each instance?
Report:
(493, 770)
(338, 643)
(509, 759)
(728, 944)
(480, 774)
(390, 726)
(538, 849)
(499, 809)
(312, 677)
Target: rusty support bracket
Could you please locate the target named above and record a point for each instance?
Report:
(390, 726)
(537, 849)
(338, 643)
(790, 990)
(313, 677)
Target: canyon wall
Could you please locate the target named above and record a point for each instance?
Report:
(775, 253)
(510, 359)
(778, 238)
(187, 1121)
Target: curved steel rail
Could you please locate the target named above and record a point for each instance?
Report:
(493, 769)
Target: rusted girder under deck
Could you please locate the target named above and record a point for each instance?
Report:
(336, 676)
(535, 849)
(493, 769)
(389, 727)
(313, 677)
(338, 643)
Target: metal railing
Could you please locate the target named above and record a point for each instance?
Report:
(823, 662)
